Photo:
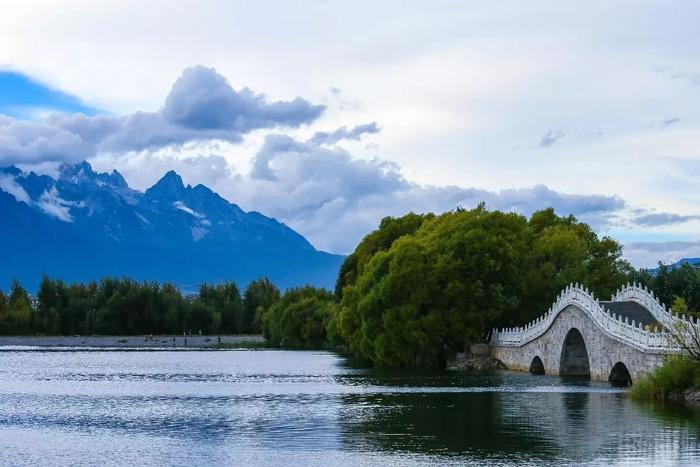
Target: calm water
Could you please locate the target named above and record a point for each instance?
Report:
(308, 408)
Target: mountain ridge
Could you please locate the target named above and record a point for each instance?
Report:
(83, 225)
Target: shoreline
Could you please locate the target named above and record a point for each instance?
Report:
(164, 342)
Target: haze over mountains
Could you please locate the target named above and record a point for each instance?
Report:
(84, 225)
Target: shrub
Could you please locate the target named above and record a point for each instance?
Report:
(299, 319)
(675, 376)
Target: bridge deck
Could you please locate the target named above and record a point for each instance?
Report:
(632, 311)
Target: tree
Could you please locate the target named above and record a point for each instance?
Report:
(671, 282)
(417, 292)
(259, 296)
(52, 297)
(433, 289)
(679, 307)
(226, 299)
(299, 319)
(16, 315)
(390, 229)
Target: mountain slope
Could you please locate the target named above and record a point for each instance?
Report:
(84, 225)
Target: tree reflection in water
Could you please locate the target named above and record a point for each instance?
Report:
(498, 418)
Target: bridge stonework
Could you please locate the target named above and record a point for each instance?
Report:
(581, 336)
(603, 351)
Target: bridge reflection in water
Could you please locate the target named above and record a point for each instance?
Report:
(558, 422)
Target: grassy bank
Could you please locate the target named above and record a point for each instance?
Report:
(669, 381)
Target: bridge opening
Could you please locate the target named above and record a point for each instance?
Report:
(620, 375)
(574, 356)
(537, 367)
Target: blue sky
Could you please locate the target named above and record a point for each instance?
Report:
(330, 115)
(25, 98)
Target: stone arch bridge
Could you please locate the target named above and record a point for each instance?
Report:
(618, 340)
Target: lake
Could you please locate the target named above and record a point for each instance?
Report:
(309, 408)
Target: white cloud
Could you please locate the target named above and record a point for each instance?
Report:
(648, 254)
(334, 199)
(463, 97)
(201, 106)
(52, 204)
(10, 186)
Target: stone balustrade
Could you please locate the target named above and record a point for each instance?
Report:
(630, 333)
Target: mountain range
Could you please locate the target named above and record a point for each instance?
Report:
(84, 225)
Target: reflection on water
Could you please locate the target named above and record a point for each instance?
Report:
(308, 408)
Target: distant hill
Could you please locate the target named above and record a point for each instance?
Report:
(694, 262)
(85, 225)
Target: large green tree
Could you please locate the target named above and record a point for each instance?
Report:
(419, 287)
(259, 296)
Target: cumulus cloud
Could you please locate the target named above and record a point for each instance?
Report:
(202, 105)
(322, 137)
(32, 142)
(203, 99)
(658, 219)
(334, 199)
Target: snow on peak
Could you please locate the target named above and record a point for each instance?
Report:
(198, 233)
(183, 207)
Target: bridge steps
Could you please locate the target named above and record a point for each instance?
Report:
(633, 311)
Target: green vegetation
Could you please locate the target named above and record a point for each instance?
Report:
(420, 287)
(259, 296)
(127, 307)
(15, 311)
(669, 380)
(299, 319)
(412, 294)
(678, 287)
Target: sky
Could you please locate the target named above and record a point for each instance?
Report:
(330, 115)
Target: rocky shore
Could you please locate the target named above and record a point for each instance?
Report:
(129, 342)
(690, 396)
(475, 357)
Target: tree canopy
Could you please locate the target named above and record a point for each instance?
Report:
(299, 319)
(419, 287)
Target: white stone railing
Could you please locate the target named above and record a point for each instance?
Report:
(645, 297)
(609, 323)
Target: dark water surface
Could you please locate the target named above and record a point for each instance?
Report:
(308, 408)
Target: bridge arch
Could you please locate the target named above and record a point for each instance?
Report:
(536, 366)
(574, 359)
(582, 335)
(620, 375)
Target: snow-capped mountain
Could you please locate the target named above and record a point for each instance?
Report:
(84, 225)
